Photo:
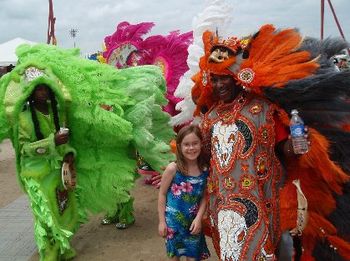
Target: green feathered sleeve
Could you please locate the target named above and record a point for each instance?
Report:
(38, 157)
(44, 147)
(38, 148)
(4, 124)
(152, 132)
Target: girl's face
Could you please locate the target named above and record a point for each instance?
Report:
(191, 146)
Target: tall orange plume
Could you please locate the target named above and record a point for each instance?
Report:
(288, 207)
(274, 59)
(264, 33)
(282, 116)
(201, 95)
(313, 188)
(208, 40)
(318, 227)
(318, 159)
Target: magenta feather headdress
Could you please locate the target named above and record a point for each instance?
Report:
(123, 46)
(126, 47)
(169, 53)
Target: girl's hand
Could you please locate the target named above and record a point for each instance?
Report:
(196, 226)
(162, 229)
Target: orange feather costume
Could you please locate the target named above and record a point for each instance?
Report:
(292, 72)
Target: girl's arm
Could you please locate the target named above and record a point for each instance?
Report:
(167, 178)
(203, 205)
(196, 226)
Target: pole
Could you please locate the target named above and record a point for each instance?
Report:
(51, 25)
(336, 19)
(73, 33)
(337, 22)
(322, 18)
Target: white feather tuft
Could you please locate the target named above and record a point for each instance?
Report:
(216, 15)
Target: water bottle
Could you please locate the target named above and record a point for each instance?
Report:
(297, 132)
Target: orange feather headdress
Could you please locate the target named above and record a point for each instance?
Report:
(219, 56)
(269, 59)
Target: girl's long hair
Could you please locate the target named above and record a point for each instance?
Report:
(180, 159)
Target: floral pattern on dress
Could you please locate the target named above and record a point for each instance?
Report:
(183, 199)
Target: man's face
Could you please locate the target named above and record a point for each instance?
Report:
(224, 87)
(41, 94)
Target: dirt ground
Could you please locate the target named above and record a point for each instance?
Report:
(9, 187)
(94, 241)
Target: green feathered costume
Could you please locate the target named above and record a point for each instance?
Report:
(103, 141)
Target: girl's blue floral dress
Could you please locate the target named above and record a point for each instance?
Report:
(183, 199)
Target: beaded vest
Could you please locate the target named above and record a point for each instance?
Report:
(244, 178)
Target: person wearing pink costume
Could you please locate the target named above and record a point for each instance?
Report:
(127, 47)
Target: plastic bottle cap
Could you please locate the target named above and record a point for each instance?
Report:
(294, 112)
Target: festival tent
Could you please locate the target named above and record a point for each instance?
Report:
(7, 51)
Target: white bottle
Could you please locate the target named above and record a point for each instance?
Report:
(297, 132)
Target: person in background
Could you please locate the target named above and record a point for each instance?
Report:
(44, 150)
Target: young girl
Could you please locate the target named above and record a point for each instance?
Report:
(181, 202)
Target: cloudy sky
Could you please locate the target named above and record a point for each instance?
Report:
(95, 19)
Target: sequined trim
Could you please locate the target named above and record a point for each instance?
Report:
(262, 166)
(31, 73)
(265, 134)
(229, 183)
(246, 75)
(247, 183)
(236, 222)
(256, 108)
(204, 78)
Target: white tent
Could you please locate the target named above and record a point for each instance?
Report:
(7, 51)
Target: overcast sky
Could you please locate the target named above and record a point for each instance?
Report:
(95, 19)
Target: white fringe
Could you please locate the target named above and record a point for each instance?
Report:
(216, 15)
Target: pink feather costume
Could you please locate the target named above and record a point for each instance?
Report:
(126, 47)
